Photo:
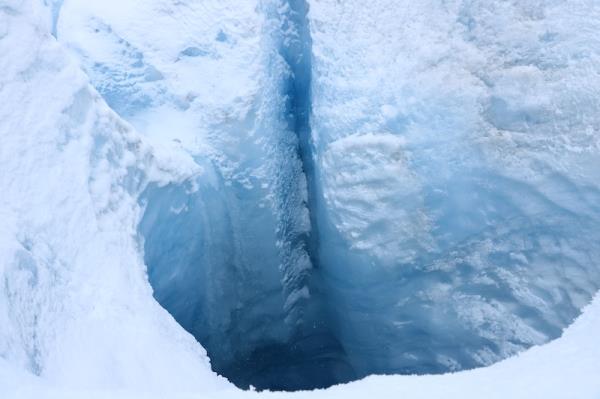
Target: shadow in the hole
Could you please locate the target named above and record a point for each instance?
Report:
(315, 361)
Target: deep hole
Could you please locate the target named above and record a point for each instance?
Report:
(313, 312)
(235, 310)
(233, 299)
(357, 321)
(281, 307)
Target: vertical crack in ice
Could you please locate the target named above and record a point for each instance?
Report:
(297, 52)
(313, 356)
(55, 6)
(289, 31)
(251, 292)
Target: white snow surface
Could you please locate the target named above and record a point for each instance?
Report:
(76, 307)
(71, 171)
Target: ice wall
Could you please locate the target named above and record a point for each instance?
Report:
(457, 164)
(398, 188)
(228, 250)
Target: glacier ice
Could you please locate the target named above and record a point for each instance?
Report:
(227, 250)
(75, 306)
(422, 204)
(320, 190)
(239, 246)
(457, 224)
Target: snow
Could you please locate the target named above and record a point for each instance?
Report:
(75, 307)
(181, 74)
(160, 172)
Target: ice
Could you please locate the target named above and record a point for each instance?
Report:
(316, 191)
(75, 306)
(446, 218)
(227, 250)
(456, 153)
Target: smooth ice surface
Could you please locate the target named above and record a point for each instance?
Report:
(398, 188)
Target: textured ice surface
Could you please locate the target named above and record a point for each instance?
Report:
(75, 305)
(409, 188)
(451, 156)
(226, 251)
(457, 157)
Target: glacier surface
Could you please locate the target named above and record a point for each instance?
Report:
(316, 191)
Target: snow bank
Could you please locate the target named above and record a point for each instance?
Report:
(75, 305)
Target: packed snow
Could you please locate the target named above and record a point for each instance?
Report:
(75, 304)
(297, 194)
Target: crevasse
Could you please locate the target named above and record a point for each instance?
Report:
(241, 277)
(362, 213)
